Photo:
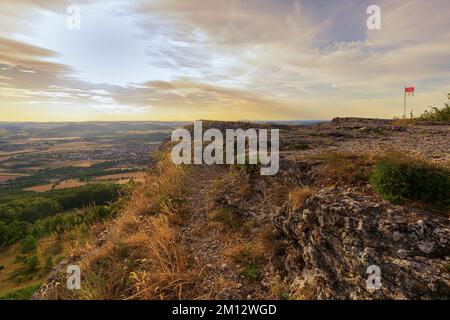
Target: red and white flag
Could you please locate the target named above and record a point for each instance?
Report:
(409, 91)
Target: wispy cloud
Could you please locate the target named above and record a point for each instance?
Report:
(255, 59)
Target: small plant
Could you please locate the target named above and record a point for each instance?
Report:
(2, 267)
(398, 177)
(32, 264)
(48, 264)
(228, 218)
(28, 245)
(250, 258)
(281, 291)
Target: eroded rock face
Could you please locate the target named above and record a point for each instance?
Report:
(338, 233)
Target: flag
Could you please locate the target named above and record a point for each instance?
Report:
(409, 91)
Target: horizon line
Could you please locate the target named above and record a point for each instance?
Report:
(108, 121)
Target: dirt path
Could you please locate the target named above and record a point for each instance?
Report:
(207, 243)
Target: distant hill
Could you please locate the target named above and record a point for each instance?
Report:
(81, 129)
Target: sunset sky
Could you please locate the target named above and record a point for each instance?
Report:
(218, 59)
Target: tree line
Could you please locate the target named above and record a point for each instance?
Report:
(36, 215)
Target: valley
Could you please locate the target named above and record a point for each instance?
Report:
(56, 181)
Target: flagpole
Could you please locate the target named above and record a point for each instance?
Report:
(404, 104)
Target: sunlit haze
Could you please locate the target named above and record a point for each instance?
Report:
(224, 60)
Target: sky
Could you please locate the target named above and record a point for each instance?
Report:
(221, 59)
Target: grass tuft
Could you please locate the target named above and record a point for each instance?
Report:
(228, 218)
(298, 196)
(250, 258)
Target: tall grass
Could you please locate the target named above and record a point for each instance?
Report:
(347, 167)
(141, 257)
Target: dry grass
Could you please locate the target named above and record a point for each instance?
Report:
(141, 257)
(348, 167)
(402, 122)
(228, 218)
(279, 193)
(163, 273)
(280, 290)
(271, 242)
(244, 190)
(298, 196)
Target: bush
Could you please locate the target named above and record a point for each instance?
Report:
(28, 245)
(398, 177)
(32, 264)
(48, 264)
(21, 294)
(436, 114)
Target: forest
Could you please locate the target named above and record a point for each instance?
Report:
(35, 215)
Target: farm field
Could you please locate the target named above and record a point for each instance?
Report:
(118, 178)
(49, 172)
(42, 157)
(10, 176)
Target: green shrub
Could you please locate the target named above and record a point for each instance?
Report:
(2, 267)
(48, 264)
(250, 258)
(398, 177)
(21, 294)
(28, 245)
(32, 264)
(436, 114)
(251, 270)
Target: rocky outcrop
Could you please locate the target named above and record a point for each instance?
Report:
(338, 233)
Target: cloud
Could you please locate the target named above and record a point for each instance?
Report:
(227, 59)
(17, 53)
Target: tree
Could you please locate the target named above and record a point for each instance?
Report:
(4, 233)
(48, 264)
(32, 264)
(28, 245)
